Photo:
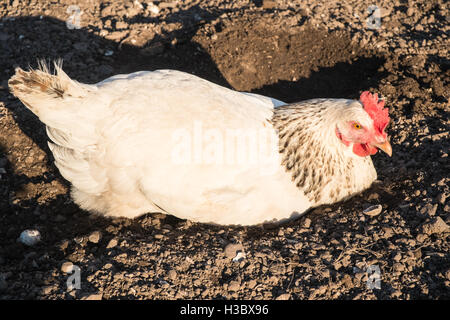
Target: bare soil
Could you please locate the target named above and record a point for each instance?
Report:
(290, 50)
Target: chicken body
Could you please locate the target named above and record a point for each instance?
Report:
(167, 141)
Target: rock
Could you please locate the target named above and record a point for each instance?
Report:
(121, 25)
(307, 223)
(347, 281)
(94, 296)
(95, 237)
(112, 243)
(437, 225)
(268, 4)
(284, 296)
(158, 236)
(373, 210)
(47, 289)
(67, 267)
(232, 249)
(172, 274)
(410, 12)
(234, 285)
(252, 283)
(153, 8)
(399, 267)
(30, 237)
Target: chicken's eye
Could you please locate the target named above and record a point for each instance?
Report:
(357, 125)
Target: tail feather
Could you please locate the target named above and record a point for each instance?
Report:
(37, 87)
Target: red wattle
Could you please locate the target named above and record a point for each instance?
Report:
(363, 150)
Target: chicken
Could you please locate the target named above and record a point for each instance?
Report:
(167, 141)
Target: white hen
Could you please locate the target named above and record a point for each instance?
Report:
(167, 141)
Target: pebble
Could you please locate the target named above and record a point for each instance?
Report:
(67, 267)
(95, 237)
(307, 223)
(30, 237)
(153, 8)
(284, 296)
(234, 285)
(399, 267)
(47, 289)
(112, 243)
(437, 225)
(172, 274)
(94, 296)
(410, 11)
(232, 249)
(252, 283)
(373, 210)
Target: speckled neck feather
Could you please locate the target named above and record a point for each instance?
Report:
(311, 152)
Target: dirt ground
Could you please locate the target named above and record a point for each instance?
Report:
(290, 50)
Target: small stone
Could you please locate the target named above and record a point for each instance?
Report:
(373, 210)
(307, 223)
(269, 4)
(172, 274)
(107, 266)
(47, 289)
(421, 237)
(410, 11)
(94, 296)
(284, 296)
(121, 25)
(63, 245)
(436, 226)
(234, 286)
(30, 237)
(112, 243)
(347, 281)
(95, 237)
(67, 267)
(232, 249)
(153, 8)
(252, 283)
(399, 267)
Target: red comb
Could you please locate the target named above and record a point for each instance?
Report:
(375, 110)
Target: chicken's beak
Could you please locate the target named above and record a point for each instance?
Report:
(385, 146)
